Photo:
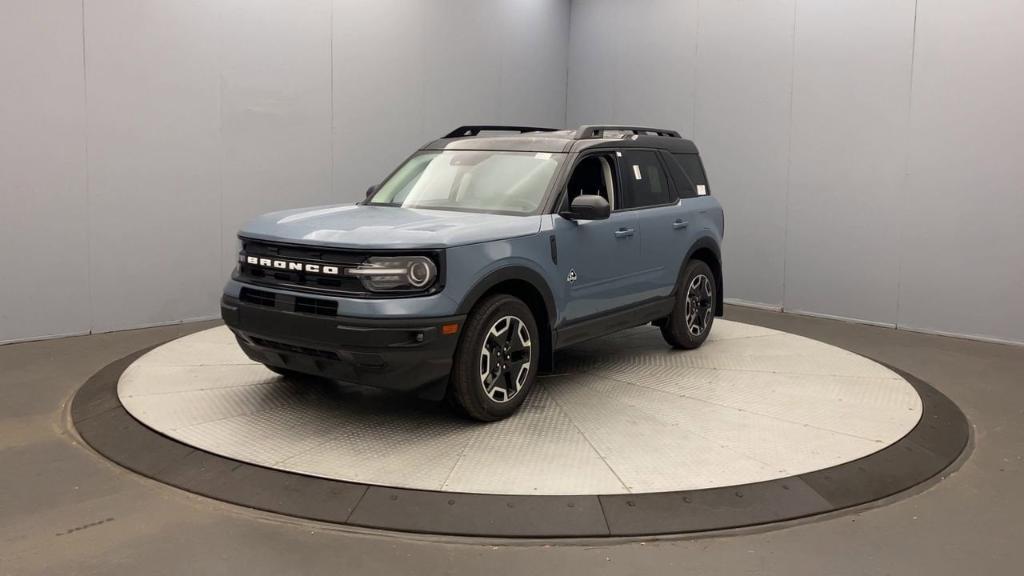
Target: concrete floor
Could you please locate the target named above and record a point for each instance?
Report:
(66, 510)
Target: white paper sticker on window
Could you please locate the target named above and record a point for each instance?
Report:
(636, 172)
(701, 190)
(542, 155)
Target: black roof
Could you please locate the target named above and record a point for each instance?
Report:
(533, 139)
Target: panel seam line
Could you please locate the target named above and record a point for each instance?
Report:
(906, 166)
(604, 460)
(789, 158)
(88, 190)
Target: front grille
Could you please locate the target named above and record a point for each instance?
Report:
(299, 304)
(259, 297)
(297, 280)
(316, 306)
(300, 280)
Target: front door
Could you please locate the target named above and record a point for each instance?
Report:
(599, 259)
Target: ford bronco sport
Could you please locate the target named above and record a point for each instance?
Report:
(463, 272)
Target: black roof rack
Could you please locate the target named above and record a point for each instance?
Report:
(597, 131)
(463, 131)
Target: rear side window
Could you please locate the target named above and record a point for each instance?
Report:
(644, 180)
(684, 187)
(694, 170)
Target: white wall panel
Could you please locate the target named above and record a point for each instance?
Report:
(742, 126)
(654, 81)
(153, 95)
(44, 218)
(851, 90)
(593, 52)
(866, 172)
(199, 114)
(633, 63)
(534, 61)
(378, 90)
(275, 110)
(962, 219)
(408, 72)
(460, 65)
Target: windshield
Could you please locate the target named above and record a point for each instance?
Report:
(471, 180)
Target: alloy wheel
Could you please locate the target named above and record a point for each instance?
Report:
(505, 358)
(699, 304)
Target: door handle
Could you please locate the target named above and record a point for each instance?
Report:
(623, 232)
(680, 224)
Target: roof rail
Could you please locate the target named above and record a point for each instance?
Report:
(463, 131)
(597, 131)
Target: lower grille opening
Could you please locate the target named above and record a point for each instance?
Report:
(292, 348)
(316, 306)
(258, 297)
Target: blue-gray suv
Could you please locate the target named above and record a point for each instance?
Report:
(486, 251)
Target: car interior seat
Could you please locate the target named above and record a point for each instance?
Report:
(593, 175)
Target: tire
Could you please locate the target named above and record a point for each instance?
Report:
(496, 360)
(697, 293)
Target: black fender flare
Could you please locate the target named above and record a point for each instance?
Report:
(535, 280)
(712, 245)
(500, 275)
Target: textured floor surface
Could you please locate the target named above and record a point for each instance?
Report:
(624, 414)
(66, 510)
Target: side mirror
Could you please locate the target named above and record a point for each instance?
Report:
(370, 191)
(587, 207)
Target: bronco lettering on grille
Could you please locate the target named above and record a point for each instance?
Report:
(292, 265)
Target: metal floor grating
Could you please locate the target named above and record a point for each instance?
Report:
(622, 414)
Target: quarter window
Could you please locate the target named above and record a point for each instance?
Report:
(646, 184)
(691, 164)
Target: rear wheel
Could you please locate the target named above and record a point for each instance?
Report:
(496, 360)
(694, 312)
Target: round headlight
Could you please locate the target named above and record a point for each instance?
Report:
(395, 273)
(421, 272)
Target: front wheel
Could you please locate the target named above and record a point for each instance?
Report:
(496, 360)
(694, 312)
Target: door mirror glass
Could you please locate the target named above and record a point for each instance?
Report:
(371, 190)
(587, 207)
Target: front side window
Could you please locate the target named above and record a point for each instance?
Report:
(471, 180)
(594, 174)
(646, 184)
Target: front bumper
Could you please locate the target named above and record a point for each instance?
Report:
(405, 354)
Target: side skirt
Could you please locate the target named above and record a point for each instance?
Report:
(609, 322)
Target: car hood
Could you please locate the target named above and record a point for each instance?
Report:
(360, 226)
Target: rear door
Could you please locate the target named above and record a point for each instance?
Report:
(702, 212)
(664, 223)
